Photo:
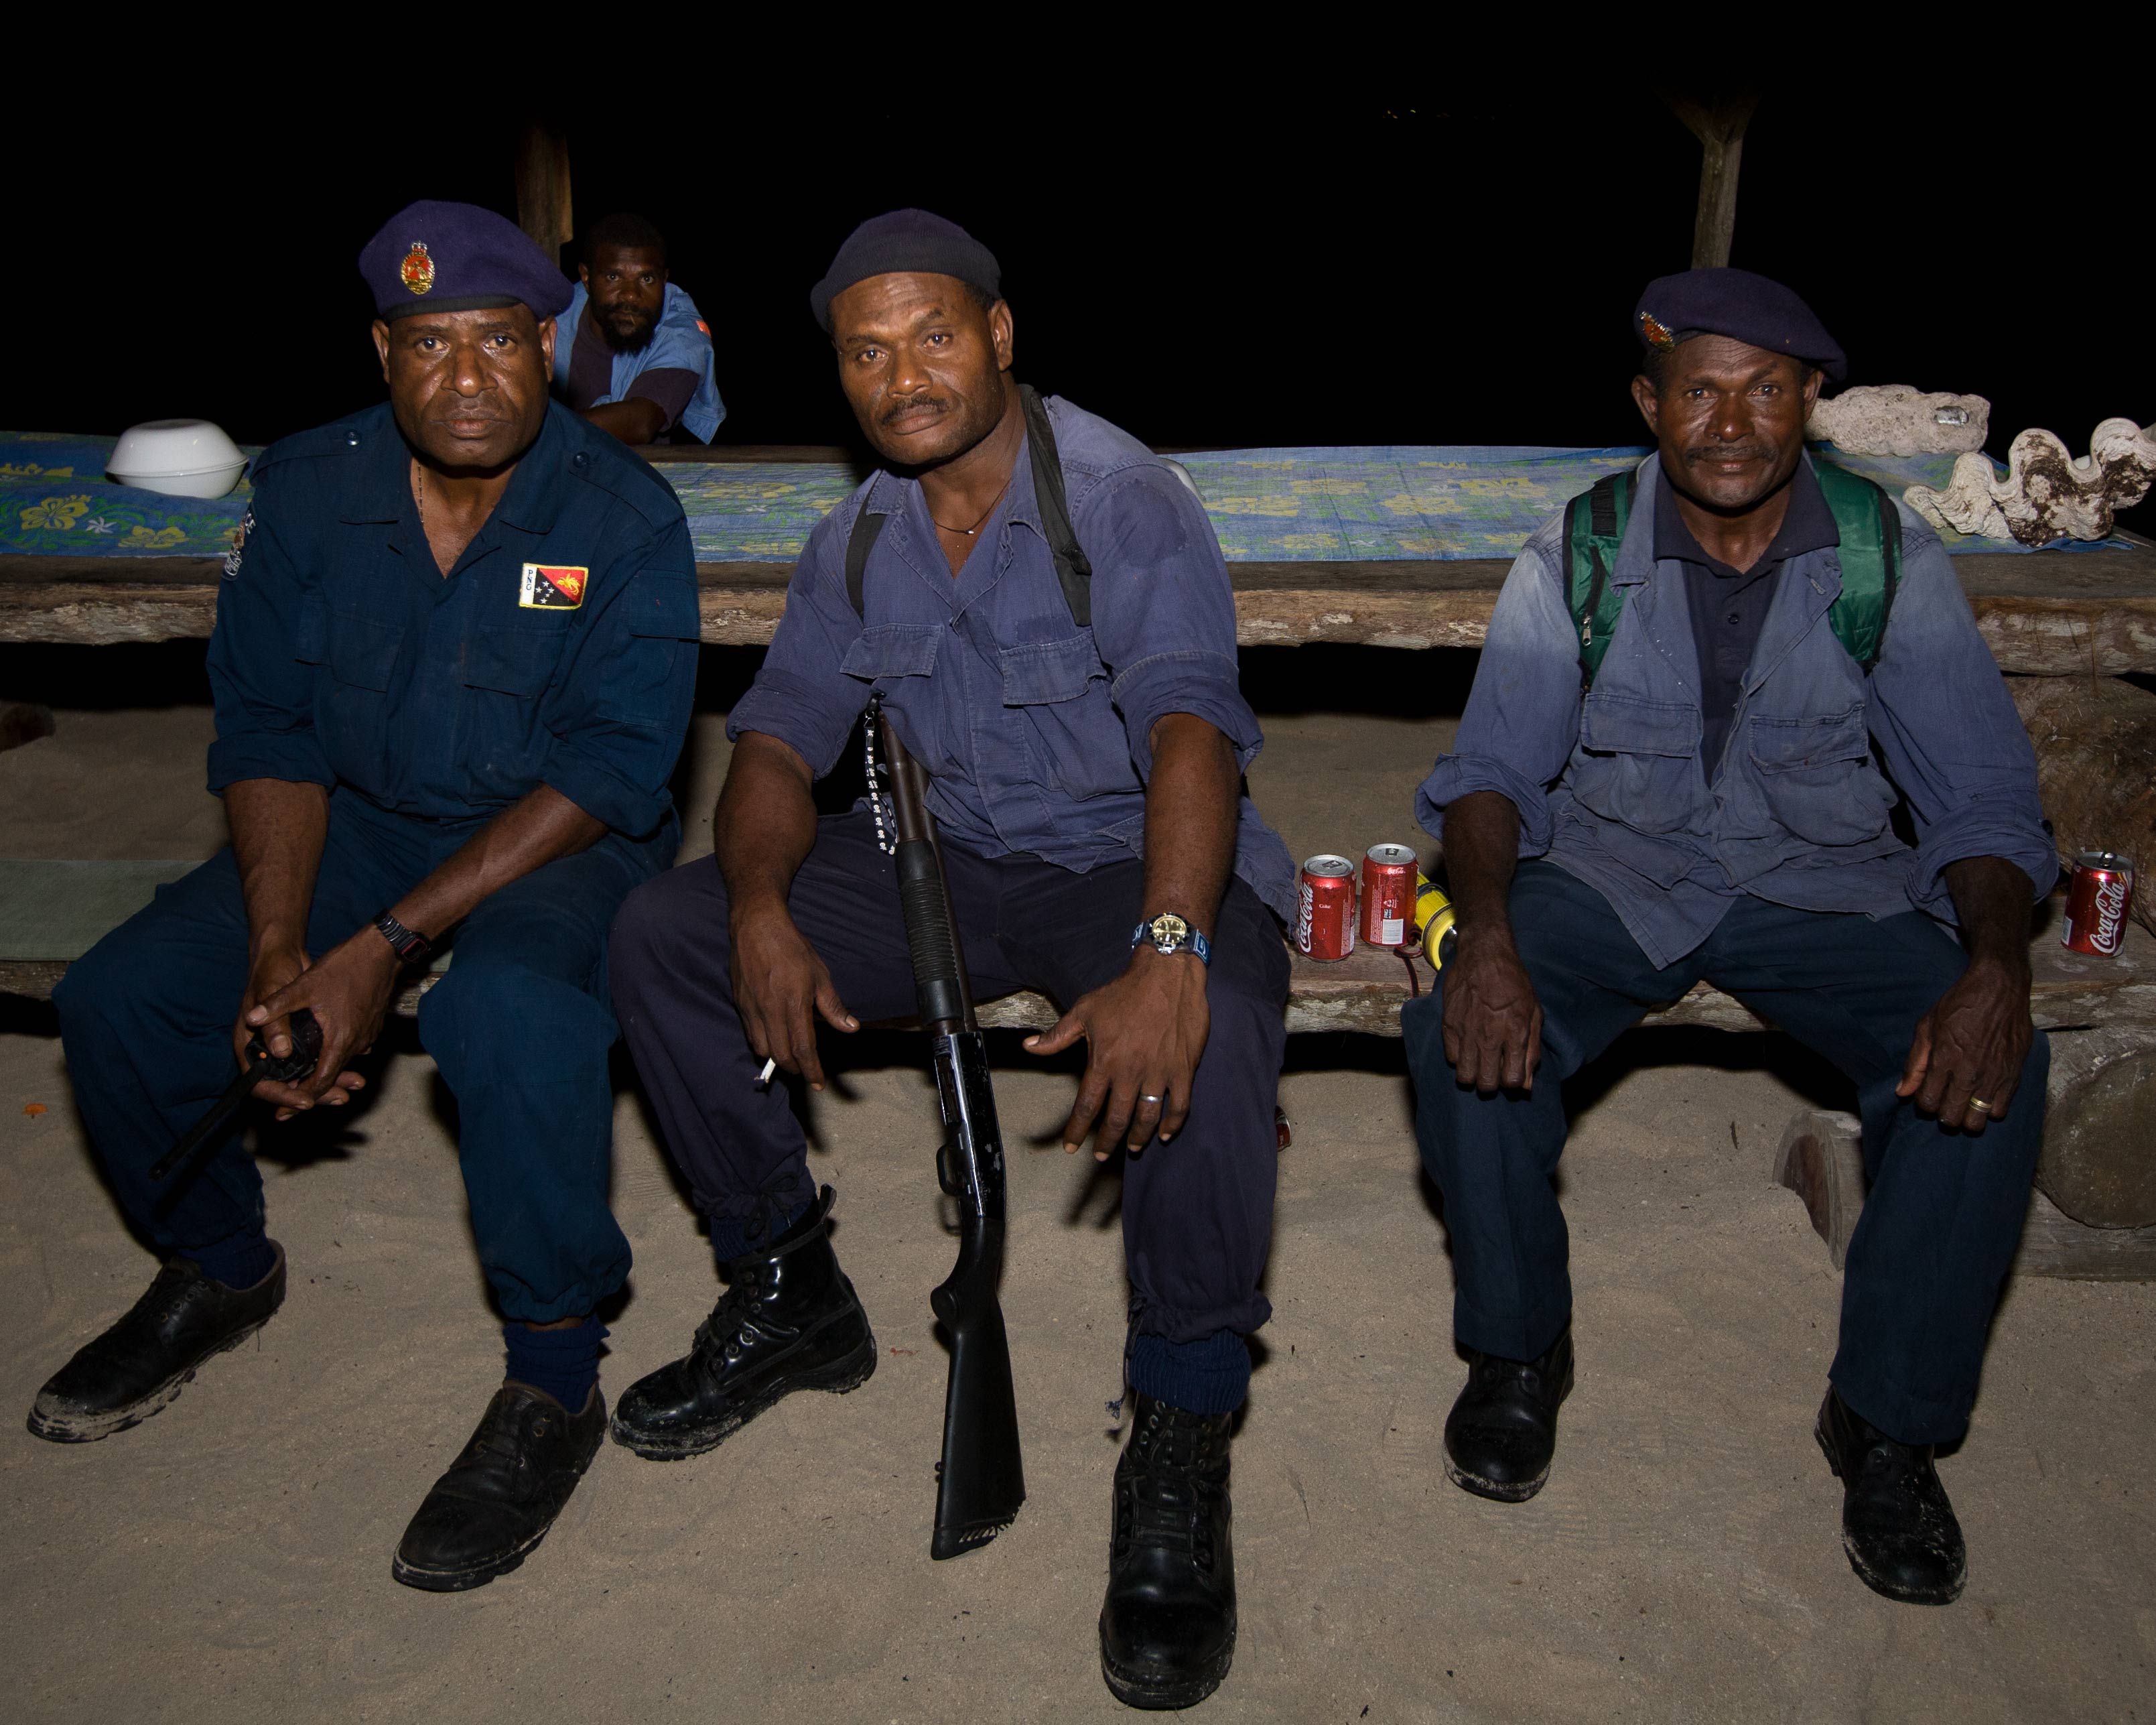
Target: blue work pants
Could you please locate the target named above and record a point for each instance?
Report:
(520, 1027)
(1944, 1210)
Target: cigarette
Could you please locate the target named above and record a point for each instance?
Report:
(763, 1077)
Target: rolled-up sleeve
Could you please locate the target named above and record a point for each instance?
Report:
(800, 695)
(269, 638)
(1951, 740)
(1163, 611)
(1523, 718)
(619, 716)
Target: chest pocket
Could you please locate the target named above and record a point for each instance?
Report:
(1056, 695)
(1638, 761)
(893, 649)
(1044, 672)
(517, 658)
(1818, 779)
(362, 650)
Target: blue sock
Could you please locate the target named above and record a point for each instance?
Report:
(1209, 1377)
(564, 1363)
(239, 1261)
(729, 1234)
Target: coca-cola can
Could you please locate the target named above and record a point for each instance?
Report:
(2096, 903)
(1388, 895)
(1325, 908)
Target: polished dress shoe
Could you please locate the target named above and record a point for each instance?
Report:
(1502, 1431)
(488, 1513)
(1896, 1526)
(1168, 1626)
(139, 1365)
(790, 1319)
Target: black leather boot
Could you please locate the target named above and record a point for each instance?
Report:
(1896, 1526)
(491, 1510)
(1168, 1627)
(790, 1319)
(1502, 1431)
(139, 1365)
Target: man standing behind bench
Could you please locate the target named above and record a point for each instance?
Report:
(1665, 773)
(634, 354)
(453, 665)
(1085, 735)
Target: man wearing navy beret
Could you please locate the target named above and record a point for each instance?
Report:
(1665, 773)
(453, 664)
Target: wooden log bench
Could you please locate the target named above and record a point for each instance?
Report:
(2047, 613)
(2096, 1210)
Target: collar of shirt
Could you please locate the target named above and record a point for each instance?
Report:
(1019, 507)
(1807, 526)
(531, 500)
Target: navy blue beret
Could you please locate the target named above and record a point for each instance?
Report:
(433, 256)
(912, 241)
(1745, 307)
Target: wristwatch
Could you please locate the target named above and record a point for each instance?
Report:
(1170, 934)
(408, 944)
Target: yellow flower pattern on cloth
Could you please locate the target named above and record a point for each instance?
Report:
(55, 512)
(143, 538)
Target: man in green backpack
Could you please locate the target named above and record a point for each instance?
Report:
(1665, 773)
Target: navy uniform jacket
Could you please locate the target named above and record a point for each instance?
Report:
(562, 650)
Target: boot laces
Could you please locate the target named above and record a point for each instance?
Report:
(1162, 1502)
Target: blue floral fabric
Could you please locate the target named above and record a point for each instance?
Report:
(1347, 505)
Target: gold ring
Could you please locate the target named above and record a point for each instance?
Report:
(1979, 1105)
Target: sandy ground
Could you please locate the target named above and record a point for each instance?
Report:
(228, 1560)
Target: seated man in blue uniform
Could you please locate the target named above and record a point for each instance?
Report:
(453, 665)
(1084, 744)
(1665, 773)
(635, 356)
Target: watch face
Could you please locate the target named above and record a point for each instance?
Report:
(1170, 931)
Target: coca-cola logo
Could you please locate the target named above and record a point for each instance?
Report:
(1306, 908)
(2110, 912)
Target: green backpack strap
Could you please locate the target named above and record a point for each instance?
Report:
(1594, 529)
(1870, 529)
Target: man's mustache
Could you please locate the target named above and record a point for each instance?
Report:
(1732, 452)
(914, 405)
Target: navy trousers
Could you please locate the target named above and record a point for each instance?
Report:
(1197, 1211)
(1945, 1212)
(520, 1028)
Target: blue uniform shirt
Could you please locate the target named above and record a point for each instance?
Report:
(342, 656)
(1612, 787)
(1033, 730)
(680, 341)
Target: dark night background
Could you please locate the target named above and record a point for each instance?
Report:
(1410, 268)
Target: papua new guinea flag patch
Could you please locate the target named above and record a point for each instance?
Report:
(548, 586)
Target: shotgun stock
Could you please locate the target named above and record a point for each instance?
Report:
(981, 1480)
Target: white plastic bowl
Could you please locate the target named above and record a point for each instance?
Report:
(181, 458)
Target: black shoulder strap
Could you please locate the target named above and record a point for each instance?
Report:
(1073, 570)
(867, 528)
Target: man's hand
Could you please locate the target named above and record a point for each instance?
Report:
(1145, 1032)
(1969, 1048)
(781, 984)
(1493, 1023)
(349, 990)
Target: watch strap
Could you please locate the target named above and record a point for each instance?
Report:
(408, 944)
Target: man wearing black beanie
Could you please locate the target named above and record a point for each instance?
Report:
(1085, 736)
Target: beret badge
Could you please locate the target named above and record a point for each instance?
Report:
(1651, 327)
(417, 269)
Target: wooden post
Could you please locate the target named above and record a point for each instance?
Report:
(1718, 122)
(542, 187)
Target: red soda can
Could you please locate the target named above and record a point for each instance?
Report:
(1325, 909)
(2097, 904)
(1388, 895)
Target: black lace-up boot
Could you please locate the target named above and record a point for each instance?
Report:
(1502, 1431)
(790, 1319)
(1168, 1627)
(488, 1513)
(139, 1365)
(1896, 1526)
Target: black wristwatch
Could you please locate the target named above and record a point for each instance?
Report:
(412, 947)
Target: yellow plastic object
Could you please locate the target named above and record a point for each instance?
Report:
(1434, 920)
